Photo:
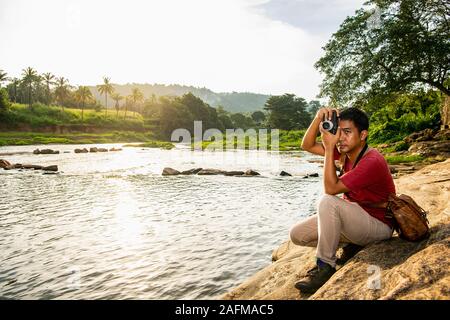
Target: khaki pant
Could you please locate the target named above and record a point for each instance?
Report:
(338, 221)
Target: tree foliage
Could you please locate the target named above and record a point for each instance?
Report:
(388, 46)
(287, 112)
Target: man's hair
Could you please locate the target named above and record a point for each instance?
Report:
(356, 115)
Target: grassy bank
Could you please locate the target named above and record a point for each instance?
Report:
(30, 138)
(40, 116)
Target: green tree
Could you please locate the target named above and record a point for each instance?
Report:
(137, 97)
(4, 100)
(287, 112)
(258, 116)
(398, 46)
(62, 91)
(30, 76)
(313, 107)
(82, 95)
(117, 98)
(106, 88)
(48, 79)
(3, 77)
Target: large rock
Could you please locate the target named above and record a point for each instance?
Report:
(84, 150)
(45, 151)
(285, 174)
(31, 166)
(4, 163)
(170, 172)
(251, 173)
(208, 172)
(93, 149)
(407, 270)
(431, 148)
(234, 173)
(191, 171)
(424, 135)
(50, 168)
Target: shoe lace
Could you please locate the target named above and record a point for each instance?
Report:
(314, 270)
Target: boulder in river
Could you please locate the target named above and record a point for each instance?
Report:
(102, 150)
(251, 172)
(210, 172)
(31, 166)
(170, 172)
(45, 151)
(84, 150)
(115, 149)
(4, 163)
(284, 173)
(234, 173)
(50, 168)
(93, 149)
(191, 171)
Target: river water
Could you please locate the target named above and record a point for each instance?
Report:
(110, 226)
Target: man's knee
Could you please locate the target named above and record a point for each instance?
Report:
(327, 202)
(299, 237)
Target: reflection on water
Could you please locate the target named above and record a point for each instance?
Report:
(111, 227)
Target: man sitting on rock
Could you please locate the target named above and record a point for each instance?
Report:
(351, 219)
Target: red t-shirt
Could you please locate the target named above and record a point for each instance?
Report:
(369, 181)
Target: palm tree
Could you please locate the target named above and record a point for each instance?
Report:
(3, 77)
(15, 82)
(61, 91)
(137, 96)
(117, 97)
(105, 88)
(128, 99)
(81, 95)
(29, 76)
(48, 79)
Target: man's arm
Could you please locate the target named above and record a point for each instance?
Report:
(309, 142)
(332, 184)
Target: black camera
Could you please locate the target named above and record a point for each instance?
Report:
(331, 125)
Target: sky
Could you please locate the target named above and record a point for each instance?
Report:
(259, 46)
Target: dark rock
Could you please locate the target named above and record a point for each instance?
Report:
(50, 172)
(4, 163)
(17, 166)
(251, 172)
(234, 173)
(312, 175)
(93, 149)
(66, 151)
(424, 135)
(49, 151)
(205, 172)
(170, 172)
(37, 151)
(191, 171)
(284, 173)
(115, 149)
(84, 150)
(31, 166)
(50, 168)
(102, 150)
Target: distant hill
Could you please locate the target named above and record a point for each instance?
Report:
(231, 101)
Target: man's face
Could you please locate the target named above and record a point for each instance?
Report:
(350, 136)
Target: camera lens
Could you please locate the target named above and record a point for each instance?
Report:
(327, 125)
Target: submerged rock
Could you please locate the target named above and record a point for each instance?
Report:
(84, 150)
(284, 173)
(234, 173)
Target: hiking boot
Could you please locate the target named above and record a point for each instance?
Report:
(348, 252)
(315, 278)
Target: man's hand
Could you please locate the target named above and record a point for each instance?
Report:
(329, 140)
(327, 112)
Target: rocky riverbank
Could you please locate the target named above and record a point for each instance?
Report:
(390, 269)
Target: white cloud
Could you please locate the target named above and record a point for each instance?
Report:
(226, 45)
